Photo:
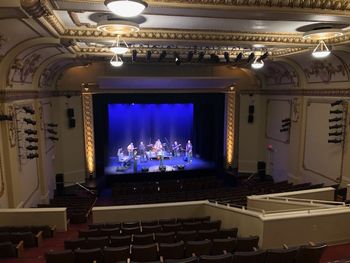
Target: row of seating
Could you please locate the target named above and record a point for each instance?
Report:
(218, 244)
(10, 250)
(155, 222)
(151, 254)
(47, 231)
(28, 238)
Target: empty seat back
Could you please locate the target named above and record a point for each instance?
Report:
(172, 251)
(144, 253)
(66, 256)
(88, 255)
(116, 254)
(120, 241)
(310, 254)
(166, 237)
(281, 255)
(144, 239)
(198, 248)
(7, 250)
(250, 257)
(245, 244)
(223, 258)
(223, 244)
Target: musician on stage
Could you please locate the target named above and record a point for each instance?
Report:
(189, 151)
(158, 145)
(142, 151)
(176, 149)
(130, 149)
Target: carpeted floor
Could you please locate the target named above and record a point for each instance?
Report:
(36, 255)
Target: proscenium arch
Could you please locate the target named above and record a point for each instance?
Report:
(52, 60)
(18, 49)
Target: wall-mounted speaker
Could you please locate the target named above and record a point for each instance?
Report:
(251, 109)
(70, 113)
(250, 118)
(71, 123)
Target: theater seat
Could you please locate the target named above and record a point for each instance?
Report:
(7, 250)
(250, 257)
(223, 244)
(185, 260)
(88, 256)
(116, 254)
(245, 244)
(167, 237)
(74, 243)
(186, 235)
(281, 255)
(172, 251)
(66, 256)
(310, 253)
(120, 241)
(198, 248)
(144, 253)
(143, 239)
(223, 258)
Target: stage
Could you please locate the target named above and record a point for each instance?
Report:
(173, 164)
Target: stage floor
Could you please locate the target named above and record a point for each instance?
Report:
(170, 165)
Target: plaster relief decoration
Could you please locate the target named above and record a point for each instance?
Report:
(25, 65)
(12, 131)
(295, 109)
(9, 36)
(280, 74)
(330, 69)
(48, 75)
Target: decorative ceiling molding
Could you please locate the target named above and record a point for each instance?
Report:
(300, 92)
(13, 95)
(311, 6)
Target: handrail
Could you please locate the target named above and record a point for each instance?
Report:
(302, 200)
(86, 189)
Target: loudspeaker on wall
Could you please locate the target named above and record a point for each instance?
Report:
(71, 123)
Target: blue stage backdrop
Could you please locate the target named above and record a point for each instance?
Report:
(148, 122)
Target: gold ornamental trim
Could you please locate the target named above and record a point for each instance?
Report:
(89, 133)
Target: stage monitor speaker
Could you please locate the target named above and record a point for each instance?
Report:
(251, 109)
(70, 113)
(59, 183)
(71, 123)
(144, 169)
(250, 118)
(181, 167)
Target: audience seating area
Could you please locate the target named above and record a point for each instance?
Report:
(198, 189)
(78, 202)
(13, 239)
(191, 240)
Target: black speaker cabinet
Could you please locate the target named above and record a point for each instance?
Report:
(71, 123)
(251, 109)
(262, 170)
(59, 183)
(70, 113)
(250, 118)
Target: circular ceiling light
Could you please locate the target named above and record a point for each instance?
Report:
(320, 34)
(120, 47)
(257, 64)
(116, 61)
(126, 8)
(321, 50)
(118, 27)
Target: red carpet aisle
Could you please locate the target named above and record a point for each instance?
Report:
(36, 255)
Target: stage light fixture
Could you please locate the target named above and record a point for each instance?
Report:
(5, 117)
(336, 112)
(29, 121)
(126, 8)
(227, 57)
(321, 50)
(336, 126)
(257, 64)
(116, 61)
(239, 57)
(250, 57)
(162, 56)
(133, 55)
(30, 132)
(214, 58)
(201, 56)
(190, 56)
(264, 56)
(120, 47)
(28, 110)
(334, 141)
(148, 56)
(31, 139)
(52, 125)
(335, 119)
(335, 133)
(32, 148)
(177, 59)
(336, 103)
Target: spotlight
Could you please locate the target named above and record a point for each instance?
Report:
(177, 59)
(335, 133)
(284, 129)
(286, 124)
(336, 103)
(148, 56)
(264, 56)
(32, 155)
(214, 58)
(335, 111)
(227, 57)
(52, 125)
(52, 131)
(133, 55)
(53, 138)
(30, 132)
(201, 56)
(5, 118)
(239, 57)
(28, 110)
(251, 57)
(29, 121)
(334, 141)
(286, 120)
(337, 126)
(190, 56)
(32, 147)
(335, 119)
(162, 56)
(31, 139)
